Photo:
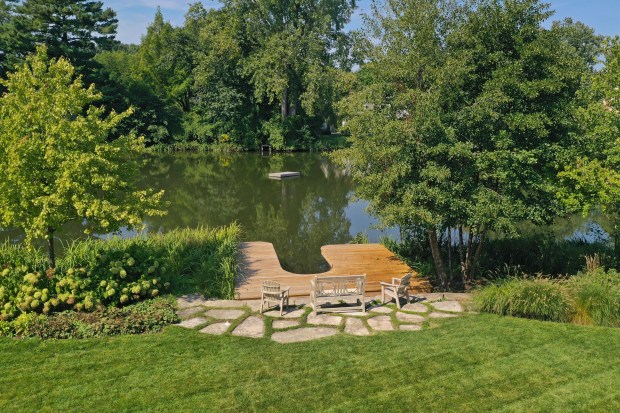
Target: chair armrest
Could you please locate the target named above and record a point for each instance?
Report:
(388, 284)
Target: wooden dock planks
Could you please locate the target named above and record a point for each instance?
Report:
(259, 262)
(284, 175)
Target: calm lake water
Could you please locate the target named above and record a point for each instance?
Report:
(297, 215)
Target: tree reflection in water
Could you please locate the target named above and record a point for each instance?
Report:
(297, 215)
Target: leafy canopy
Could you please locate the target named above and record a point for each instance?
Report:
(56, 164)
(464, 118)
(593, 178)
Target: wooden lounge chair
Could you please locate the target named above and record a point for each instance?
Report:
(398, 288)
(272, 293)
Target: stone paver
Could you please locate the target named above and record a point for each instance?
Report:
(432, 297)
(410, 327)
(409, 318)
(223, 304)
(252, 326)
(192, 322)
(442, 315)
(193, 306)
(380, 309)
(381, 323)
(355, 314)
(188, 312)
(356, 327)
(303, 334)
(289, 314)
(324, 319)
(225, 314)
(253, 304)
(280, 324)
(299, 301)
(216, 329)
(415, 307)
(453, 306)
(190, 300)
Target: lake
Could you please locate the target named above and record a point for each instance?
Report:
(297, 215)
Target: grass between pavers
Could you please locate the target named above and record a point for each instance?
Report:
(470, 364)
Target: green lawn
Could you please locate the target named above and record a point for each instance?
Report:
(473, 364)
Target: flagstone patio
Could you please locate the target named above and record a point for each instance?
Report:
(298, 323)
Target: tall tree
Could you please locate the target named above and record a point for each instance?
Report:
(166, 61)
(592, 179)
(222, 96)
(56, 164)
(290, 46)
(6, 33)
(465, 120)
(75, 29)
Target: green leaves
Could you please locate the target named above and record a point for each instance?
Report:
(591, 177)
(56, 164)
(465, 115)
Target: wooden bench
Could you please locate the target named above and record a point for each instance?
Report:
(325, 291)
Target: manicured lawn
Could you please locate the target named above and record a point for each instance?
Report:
(473, 364)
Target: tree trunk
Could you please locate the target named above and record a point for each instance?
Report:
(436, 251)
(285, 103)
(52, 253)
(616, 237)
(474, 263)
(449, 256)
(462, 255)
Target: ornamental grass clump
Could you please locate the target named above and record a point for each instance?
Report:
(596, 298)
(538, 298)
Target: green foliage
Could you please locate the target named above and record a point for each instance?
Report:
(95, 273)
(56, 162)
(360, 238)
(590, 298)
(146, 317)
(596, 296)
(539, 298)
(111, 280)
(463, 118)
(292, 50)
(166, 61)
(593, 178)
(74, 29)
(540, 254)
(123, 86)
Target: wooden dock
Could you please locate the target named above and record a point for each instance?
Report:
(284, 175)
(259, 262)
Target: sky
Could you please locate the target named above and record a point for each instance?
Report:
(135, 15)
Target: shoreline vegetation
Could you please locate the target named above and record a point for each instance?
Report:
(324, 143)
(95, 276)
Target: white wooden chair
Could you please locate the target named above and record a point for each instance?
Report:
(272, 293)
(398, 288)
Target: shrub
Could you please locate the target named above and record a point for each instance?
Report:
(539, 298)
(117, 272)
(145, 317)
(596, 297)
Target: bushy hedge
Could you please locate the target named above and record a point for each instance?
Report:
(145, 317)
(590, 298)
(92, 274)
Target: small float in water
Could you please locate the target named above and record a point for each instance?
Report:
(284, 175)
